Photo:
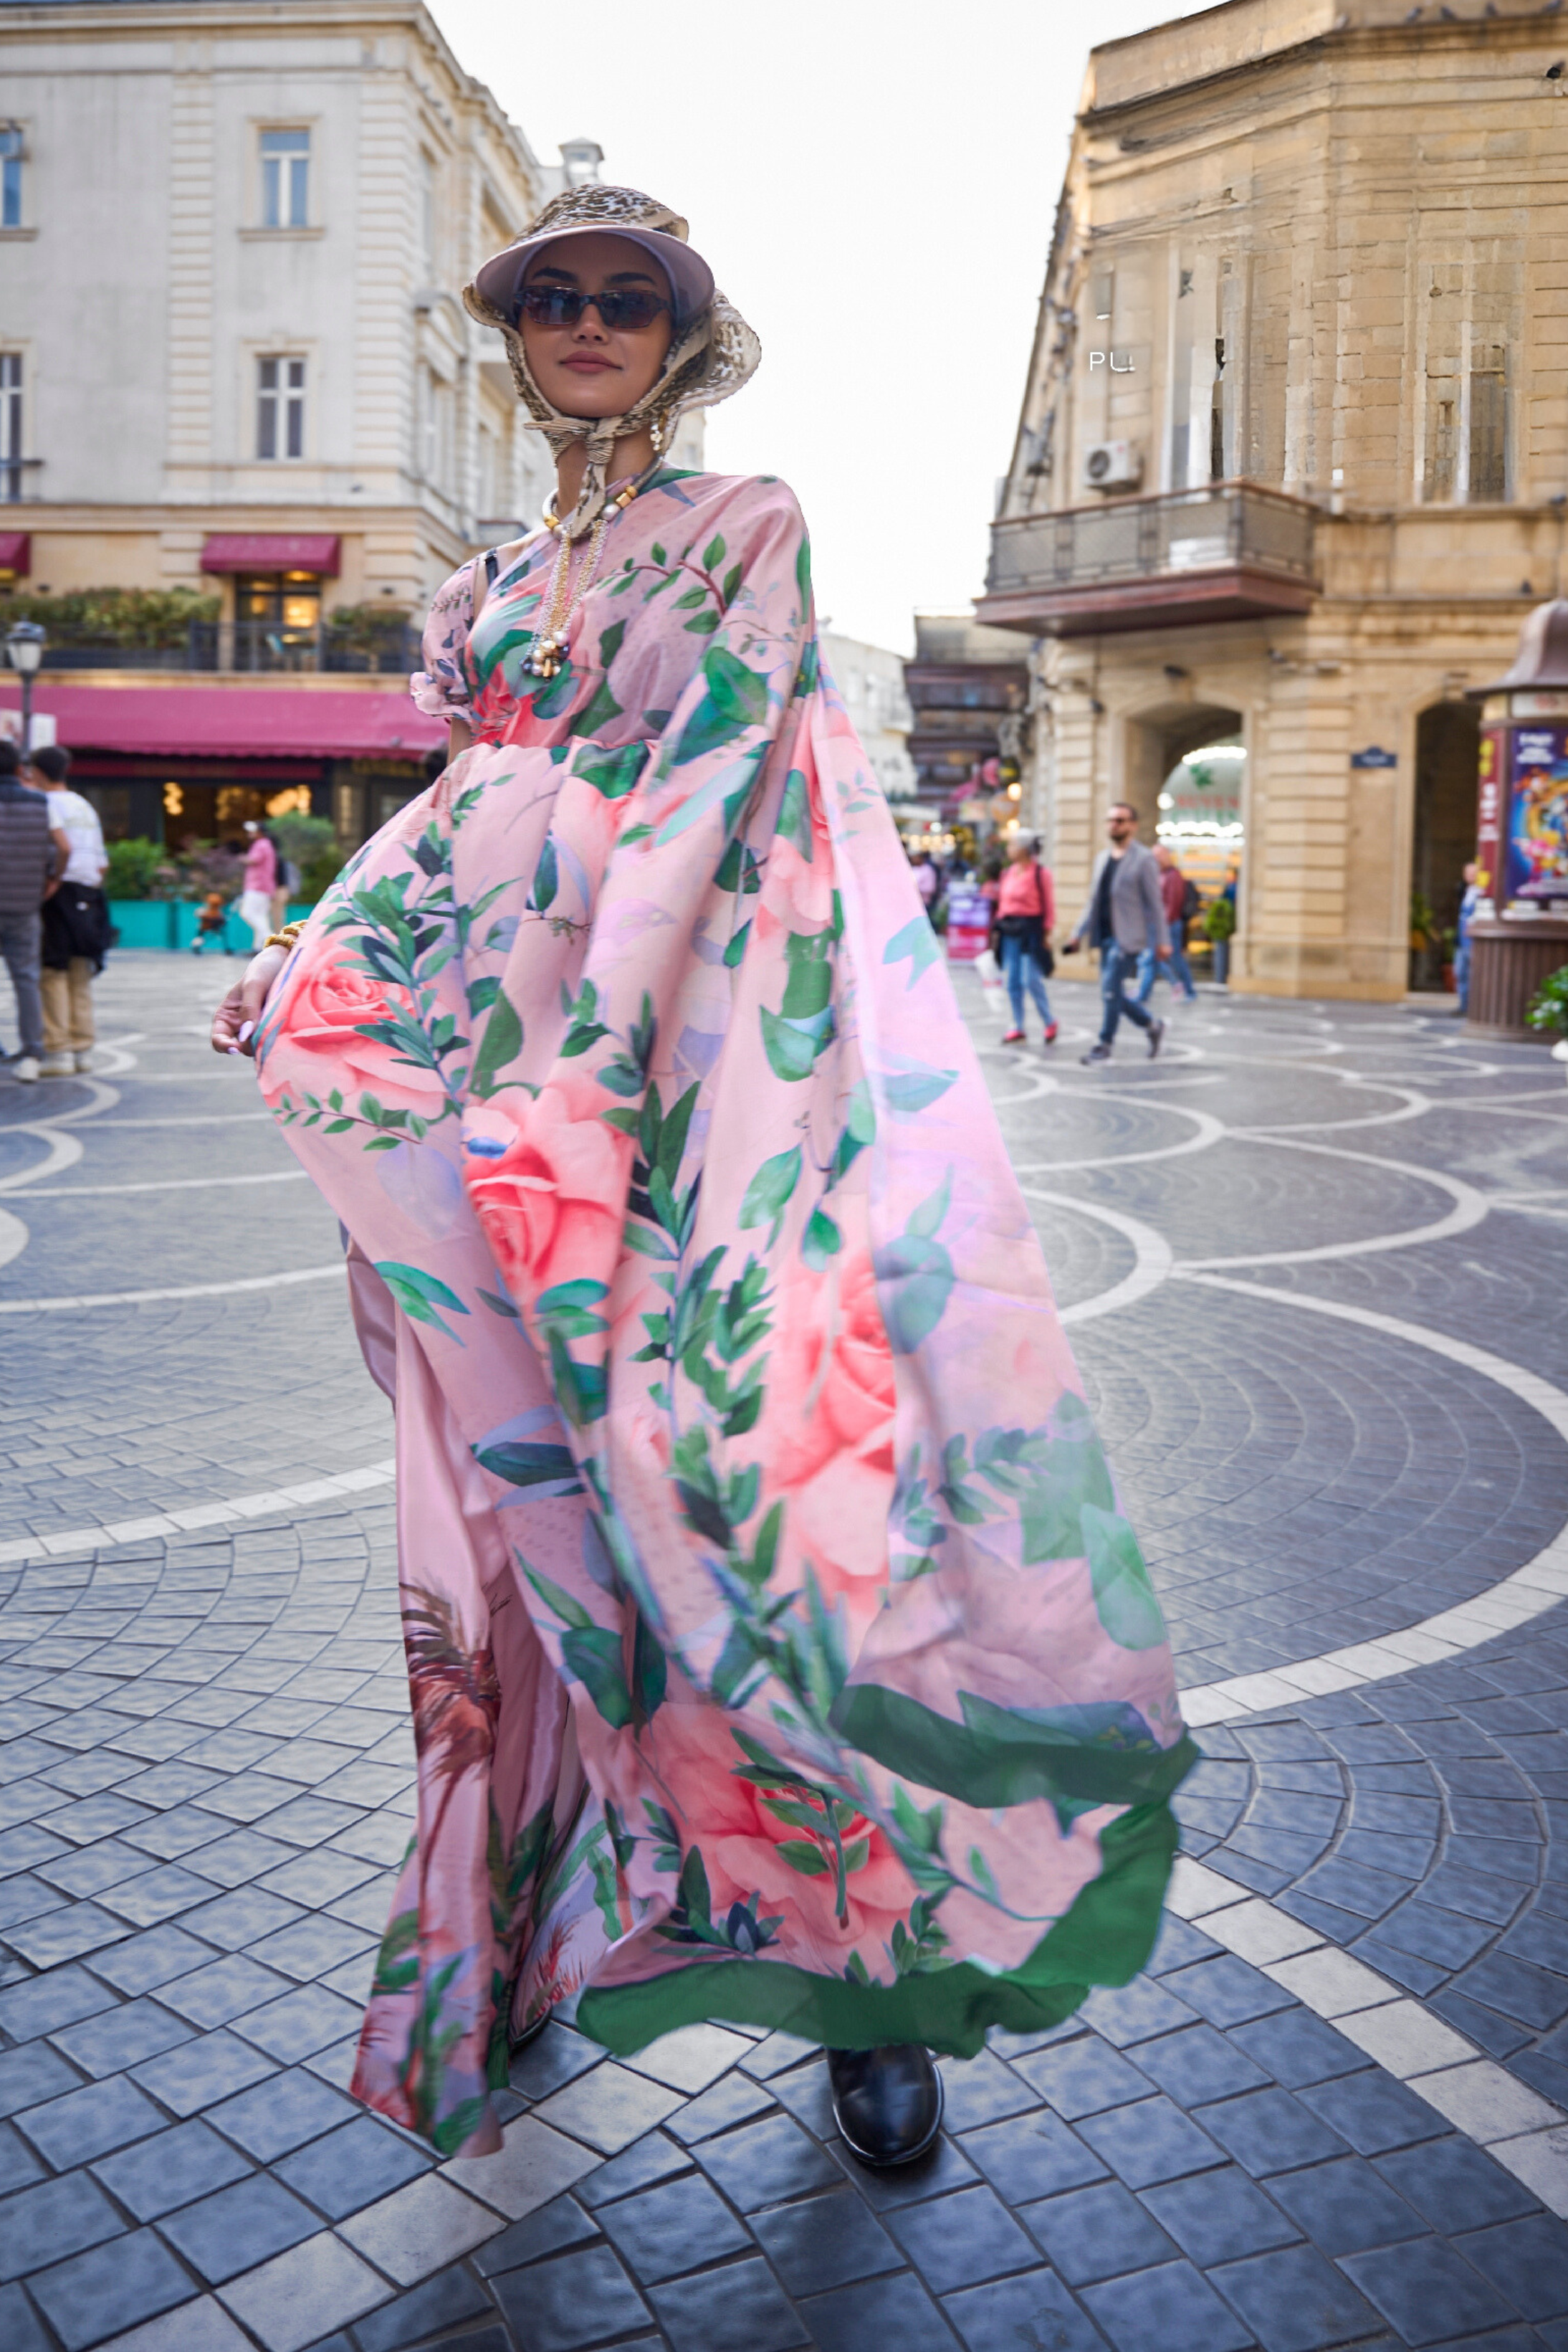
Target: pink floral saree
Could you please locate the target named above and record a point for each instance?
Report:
(778, 1650)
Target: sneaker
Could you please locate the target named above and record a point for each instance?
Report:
(57, 1066)
(84, 1062)
(26, 1068)
(1051, 1033)
(1096, 1052)
(1013, 1037)
(1156, 1037)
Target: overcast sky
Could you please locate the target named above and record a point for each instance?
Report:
(874, 187)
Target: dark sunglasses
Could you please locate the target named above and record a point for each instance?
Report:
(630, 307)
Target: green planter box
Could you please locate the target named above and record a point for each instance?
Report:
(171, 923)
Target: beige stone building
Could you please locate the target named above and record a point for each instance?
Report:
(1294, 453)
(229, 298)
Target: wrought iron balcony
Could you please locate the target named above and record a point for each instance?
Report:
(251, 646)
(1229, 551)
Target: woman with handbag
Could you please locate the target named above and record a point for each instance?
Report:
(1026, 910)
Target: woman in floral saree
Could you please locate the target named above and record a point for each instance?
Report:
(778, 1650)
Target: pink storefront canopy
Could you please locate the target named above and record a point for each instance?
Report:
(17, 553)
(234, 722)
(271, 552)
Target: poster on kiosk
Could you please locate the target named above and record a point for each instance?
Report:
(1532, 865)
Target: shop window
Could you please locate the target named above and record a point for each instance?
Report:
(13, 157)
(286, 179)
(279, 408)
(277, 620)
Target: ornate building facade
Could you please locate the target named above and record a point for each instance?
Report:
(1293, 454)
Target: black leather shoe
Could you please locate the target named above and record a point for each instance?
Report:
(888, 2102)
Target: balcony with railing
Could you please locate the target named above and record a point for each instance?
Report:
(1229, 551)
(252, 647)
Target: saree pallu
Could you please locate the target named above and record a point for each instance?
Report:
(778, 1649)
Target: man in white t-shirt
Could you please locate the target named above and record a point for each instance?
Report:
(79, 919)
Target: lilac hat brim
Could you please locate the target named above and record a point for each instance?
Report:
(689, 278)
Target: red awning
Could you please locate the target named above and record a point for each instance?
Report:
(17, 553)
(234, 722)
(263, 551)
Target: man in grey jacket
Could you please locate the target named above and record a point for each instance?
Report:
(27, 860)
(1124, 916)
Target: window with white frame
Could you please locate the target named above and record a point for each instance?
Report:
(10, 425)
(13, 154)
(286, 179)
(280, 408)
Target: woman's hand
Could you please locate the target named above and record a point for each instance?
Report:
(233, 1023)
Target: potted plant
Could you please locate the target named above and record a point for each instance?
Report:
(1219, 929)
(1548, 1011)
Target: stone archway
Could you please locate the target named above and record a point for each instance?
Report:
(1443, 835)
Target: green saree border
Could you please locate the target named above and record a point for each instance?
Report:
(1104, 1939)
(999, 1757)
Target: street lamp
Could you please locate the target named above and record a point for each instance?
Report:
(24, 645)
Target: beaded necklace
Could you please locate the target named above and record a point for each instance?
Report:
(563, 595)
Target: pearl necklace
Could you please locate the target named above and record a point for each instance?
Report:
(560, 603)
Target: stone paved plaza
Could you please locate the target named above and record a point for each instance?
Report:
(1312, 1263)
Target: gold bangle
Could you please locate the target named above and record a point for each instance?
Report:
(287, 936)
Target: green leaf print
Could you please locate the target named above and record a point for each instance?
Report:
(735, 950)
(916, 1275)
(915, 1090)
(614, 773)
(501, 1045)
(1124, 1596)
(810, 1860)
(600, 709)
(557, 694)
(702, 625)
(919, 943)
(522, 1464)
(591, 1653)
(649, 1671)
(547, 877)
(821, 1241)
(803, 570)
(736, 698)
(713, 553)
(795, 816)
(769, 1190)
(420, 1295)
(397, 1962)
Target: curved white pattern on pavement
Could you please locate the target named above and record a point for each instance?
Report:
(1470, 1208)
(198, 1515)
(64, 1150)
(1207, 1130)
(162, 1184)
(1539, 1584)
(69, 1301)
(1152, 1259)
(13, 1237)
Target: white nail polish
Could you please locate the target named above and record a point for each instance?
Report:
(245, 1031)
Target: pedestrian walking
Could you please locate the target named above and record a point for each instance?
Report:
(260, 882)
(1469, 900)
(1126, 914)
(76, 917)
(1025, 915)
(1181, 900)
(211, 922)
(777, 1649)
(927, 880)
(29, 861)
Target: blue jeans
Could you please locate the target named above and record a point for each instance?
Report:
(1019, 965)
(21, 945)
(1177, 970)
(1462, 974)
(1116, 965)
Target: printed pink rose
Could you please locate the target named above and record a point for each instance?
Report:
(748, 1849)
(831, 1421)
(319, 1044)
(553, 1205)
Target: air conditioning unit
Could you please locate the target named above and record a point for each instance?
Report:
(1112, 465)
